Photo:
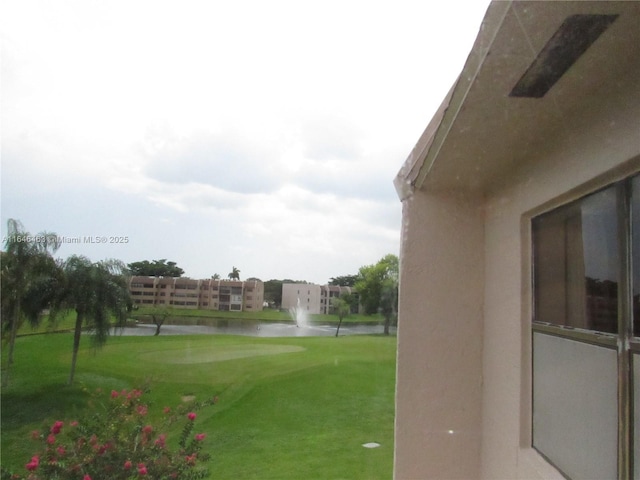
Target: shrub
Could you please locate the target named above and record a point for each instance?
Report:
(117, 442)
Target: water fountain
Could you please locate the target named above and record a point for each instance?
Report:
(299, 315)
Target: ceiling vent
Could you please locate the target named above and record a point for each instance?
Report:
(571, 40)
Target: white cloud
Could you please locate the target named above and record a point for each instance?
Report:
(269, 132)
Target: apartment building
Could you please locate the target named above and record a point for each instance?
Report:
(179, 292)
(315, 299)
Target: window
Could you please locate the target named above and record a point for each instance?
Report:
(585, 334)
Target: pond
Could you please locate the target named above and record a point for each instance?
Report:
(254, 329)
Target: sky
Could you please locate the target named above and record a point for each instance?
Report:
(217, 134)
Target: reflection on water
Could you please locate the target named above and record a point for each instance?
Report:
(252, 328)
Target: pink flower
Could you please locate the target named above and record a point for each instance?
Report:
(191, 459)
(167, 410)
(57, 427)
(142, 410)
(142, 469)
(51, 439)
(191, 416)
(147, 429)
(86, 477)
(161, 441)
(101, 449)
(134, 394)
(74, 423)
(200, 436)
(127, 465)
(33, 463)
(61, 450)
(114, 394)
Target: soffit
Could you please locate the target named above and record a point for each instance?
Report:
(482, 133)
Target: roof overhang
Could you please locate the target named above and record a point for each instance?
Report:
(490, 124)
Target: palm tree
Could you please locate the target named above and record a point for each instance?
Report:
(95, 291)
(215, 276)
(341, 308)
(235, 274)
(28, 277)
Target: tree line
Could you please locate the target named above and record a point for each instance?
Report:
(164, 268)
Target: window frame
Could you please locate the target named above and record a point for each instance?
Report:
(623, 342)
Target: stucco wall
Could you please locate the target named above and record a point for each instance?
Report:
(304, 295)
(464, 356)
(438, 423)
(599, 146)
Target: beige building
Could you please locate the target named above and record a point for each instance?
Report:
(314, 299)
(519, 318)
(179, 292)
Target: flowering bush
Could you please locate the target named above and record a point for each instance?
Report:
(117, 442)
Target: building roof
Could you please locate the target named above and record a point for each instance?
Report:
(486, 128)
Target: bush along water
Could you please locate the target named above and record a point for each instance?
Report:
(117, 442)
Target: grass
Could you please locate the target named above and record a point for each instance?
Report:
(290, 408)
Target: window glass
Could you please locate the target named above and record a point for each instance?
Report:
(636, 425)
(576, 264)
(635, 249)
(579, 436)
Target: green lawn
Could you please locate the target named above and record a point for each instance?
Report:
(289, 408)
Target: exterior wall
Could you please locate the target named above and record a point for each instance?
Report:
(307, 293)
(316, 299)
(327, 292)
(465, 303)
(438, 403)
(598, 151)
(197, 294)
(253, 296)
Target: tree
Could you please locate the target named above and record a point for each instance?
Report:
(377, 286)
(273, 292)
(95, 291)
(235, 274)
(28, 278)
(215, 276)
(155, 268)
(158, 316)
(389, 301)
(344, 280)
(342, 308)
